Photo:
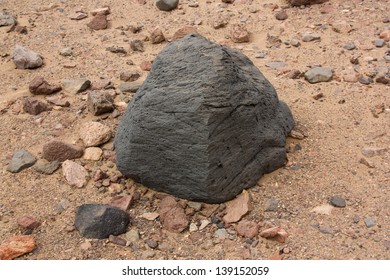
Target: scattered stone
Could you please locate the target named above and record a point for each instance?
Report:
(379, 43)
(386, 243)
(383, 79)
(16, 246)
(294, 74)
(93, 153)
(326, 230)
(249, 229)
(129, 87)
(365, 80)
(228, 1)
(385, 35)
(306, 2)
(101, 11)
(281, 15)
(28, 222)
(76, 86)
(220, 22)
(197, 206)
(172, 215)
(148, 254)
(369, 222)
(354, 60)
(25, 58)
(276, 64)
(341, 26)
(151, 243)
(75, 174)
(295, 42)
(47, 168)
(351, 77)
(129, 76)
(117, 240)
(34, 106)
(367, 163)
(282, 236)
(20, 29)
(275, 257)
(193, 227)
(99, 102)
(271, 205)
(186, 30)
(338, 201)
(99, 22)
(21, 160)
(122, 202)
(237, 208)
(260, 54)
(61, 206)
(94, 134)
(325, 209)
(204, 224)
(145, 65)
(350, 46)
(221, 234)
(157, 36)
(137, 45)
(167, 5)
(239, 33)
(78, 16)
(119, 50)
(309, 37)
(150, 216)
(39, 86)
(132, 236)
(6, 19)
(318, 75)
(100, 221)
(373, 151)
(60, 151)
(66, 52)
(192, 163)
(270, 232)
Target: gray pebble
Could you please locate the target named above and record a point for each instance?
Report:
(370, 222)
(349, 46)
(66, 52)
(271, 205)
(379, 43)
(326, 230)
(220, 233)
(21, 159)
(338, 201)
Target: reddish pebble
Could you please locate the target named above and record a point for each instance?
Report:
(16, 246)
(146, 66)
(28, 222)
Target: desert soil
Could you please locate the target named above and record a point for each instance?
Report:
(336, 120)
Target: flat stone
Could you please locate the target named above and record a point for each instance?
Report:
(76, 85)
(129, 87)
(326, 230)
(325, 209)
(78, 16)
(129, 76)
(221, 234)
(341, 26)
(379, 43)
(183, 31)
(28, 222)
(249, 229)
(40, 86)
(16, 246)
(34, 106)
(132, 236)
(150, 216)
(94, 134)
(75, 174)
(270, 232)
(122, 202)
(305, 2)
(237, 208)
(101, 11)
(99, 22)
(385, 35)
(60, 151)
(309, 37)
(167, 5)
(172, 215)
(157, 36)
(100, 221)
(318, 75)
(338, 201)
(99, 102)
(349, 46)
(93, 153)
(117, 240)
(281, 15)
(25, 58)
(137, 45)
(46, 167)
(21, 160)
(66, 52)
(276, 64)
(373, 151)
(197, 206)
(204, 224)
(118, 50)
(369, 222)
(183, 135)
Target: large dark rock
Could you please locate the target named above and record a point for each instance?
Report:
(205, 124)
(100, 221)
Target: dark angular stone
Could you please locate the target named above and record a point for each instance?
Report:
(167, 5)
(100, 102)
(61, 151)
(34, 106)
(205, 124)
(100, 221)
(338, 201)
(40, 86)
(21, 159)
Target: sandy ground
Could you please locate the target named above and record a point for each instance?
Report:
(338, 125)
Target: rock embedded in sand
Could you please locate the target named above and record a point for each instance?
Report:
(21, 160)
(205, 137)
(40, 86)
(16, 246)
(94, 134)
(100, 102)
(75, 174)
(25, 58)
(167, 5)
(99, 22)
(318, 75)
(100, 221)
(60, 151)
